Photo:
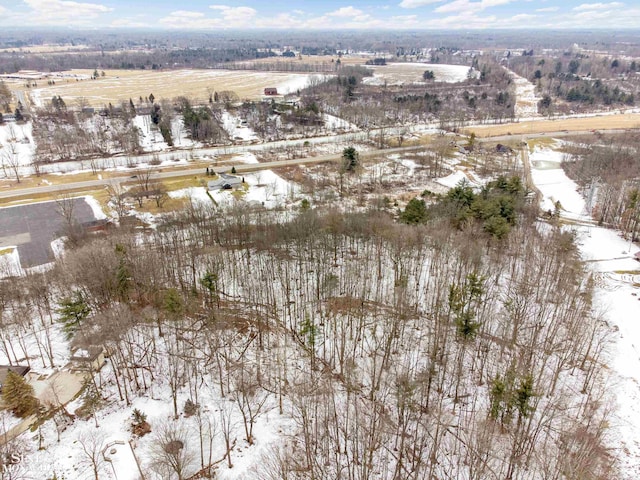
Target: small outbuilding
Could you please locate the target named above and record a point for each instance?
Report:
(271, 91)
(87, 359)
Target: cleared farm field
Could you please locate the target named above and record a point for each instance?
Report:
(121, 85)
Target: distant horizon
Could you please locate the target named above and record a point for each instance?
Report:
(330, 15)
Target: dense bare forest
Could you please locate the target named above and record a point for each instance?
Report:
(607, 168)
(396, 351)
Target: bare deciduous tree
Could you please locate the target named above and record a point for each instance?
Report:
(171, 453)
(91, 444)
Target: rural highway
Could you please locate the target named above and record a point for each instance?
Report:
(240, 168)
(247, 168)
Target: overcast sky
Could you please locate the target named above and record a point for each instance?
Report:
(324, 14)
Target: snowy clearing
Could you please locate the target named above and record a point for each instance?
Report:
(196, 194)
(455, 178)
(237, 128)
(554, 184)
(526, 97)
(16, 145)
(411, 73)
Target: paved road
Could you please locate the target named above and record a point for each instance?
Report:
(353, 136)
(254, 167)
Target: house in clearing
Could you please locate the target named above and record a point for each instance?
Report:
(225, 182)
(271, 91)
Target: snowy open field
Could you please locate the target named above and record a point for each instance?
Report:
(121, 85)
(555, 185)
(411, 73)
(526, 97)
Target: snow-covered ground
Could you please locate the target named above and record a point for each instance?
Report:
(335, 123)
(526, 97)
(456, 177)
(180, 135)
(298, 82)
(245, 157)
(150, 137)
(196, 194)
(264, 188)
(616, 297)
(95, 206)
(411, 73)
(554, 184)
(10, 262)
(112, 433)
(237, 128)
(16, 144)
(410, 165)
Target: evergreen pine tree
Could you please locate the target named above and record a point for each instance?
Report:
(18, 396)
(73, 310)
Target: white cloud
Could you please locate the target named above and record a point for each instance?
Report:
(494, 3)
(130, 23)
(228, 17)
(47, 12)
(466, 20)
(417, 3)
(346, 12)
(455, 6)
(405, 18)
(548, 9)
(598, 6)
(187, 14)
(468, 6)
(521, 17)
(282, 20)
(234, 13)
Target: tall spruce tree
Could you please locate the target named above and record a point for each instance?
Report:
(73, 310)
(18, 396)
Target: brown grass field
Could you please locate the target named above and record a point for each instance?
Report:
(121, 85)
(604, 122)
